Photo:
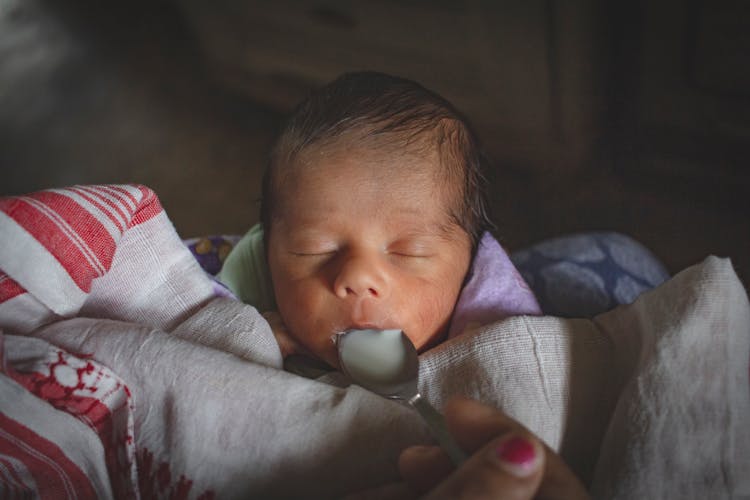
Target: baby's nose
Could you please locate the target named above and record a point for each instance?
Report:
(360, 277)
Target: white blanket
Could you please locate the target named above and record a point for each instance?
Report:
(130, 378)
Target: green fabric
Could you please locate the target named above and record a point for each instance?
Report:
(245, 272)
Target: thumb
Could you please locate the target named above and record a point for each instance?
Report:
(508, 467)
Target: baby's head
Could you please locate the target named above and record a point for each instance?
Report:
(372, 207)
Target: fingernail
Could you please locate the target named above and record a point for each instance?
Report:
(516, 455)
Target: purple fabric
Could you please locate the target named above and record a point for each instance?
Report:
(493, 291)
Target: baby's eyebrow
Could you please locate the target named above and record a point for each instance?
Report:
(444, 230)
(309, 232)
(303, 222)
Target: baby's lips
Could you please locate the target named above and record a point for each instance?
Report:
(366, 326)
(361, 326)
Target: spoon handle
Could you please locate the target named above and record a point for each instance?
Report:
(436, 423)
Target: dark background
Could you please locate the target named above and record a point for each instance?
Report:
(625, 116)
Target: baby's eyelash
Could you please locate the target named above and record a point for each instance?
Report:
(317, 253)
(415, 255)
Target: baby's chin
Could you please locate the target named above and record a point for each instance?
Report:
(330, 356)
(323, 350)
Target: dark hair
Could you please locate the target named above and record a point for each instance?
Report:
(383, 107)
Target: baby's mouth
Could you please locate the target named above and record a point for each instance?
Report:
(366, 326)
(384, 324)
(359, 326)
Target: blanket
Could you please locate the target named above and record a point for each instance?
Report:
(125, 374)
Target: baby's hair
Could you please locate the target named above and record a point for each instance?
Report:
(391, 112)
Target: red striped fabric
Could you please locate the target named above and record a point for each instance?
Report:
(99, 204)
(55, 475)
(70, 395)
(91, 393)
(58, 242)
(149, 208)
(109, 205)
(75, 235)
(9, 288)
(87, 231)
(14, 479)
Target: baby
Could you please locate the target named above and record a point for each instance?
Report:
(372, 212)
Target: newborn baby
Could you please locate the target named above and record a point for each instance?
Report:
(372, 212)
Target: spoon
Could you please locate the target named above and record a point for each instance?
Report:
(386, 363)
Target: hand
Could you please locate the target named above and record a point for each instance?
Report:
(287, 343)
(507, 462)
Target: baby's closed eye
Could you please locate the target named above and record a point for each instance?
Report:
(411, 249)
(313, 247)
(312, 252)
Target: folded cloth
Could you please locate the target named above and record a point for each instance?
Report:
(66, 425)
(494, 290)
(648, 400)
(73, 235)
(108, 252)
(624, 398)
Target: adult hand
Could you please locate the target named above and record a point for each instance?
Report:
(507, 461)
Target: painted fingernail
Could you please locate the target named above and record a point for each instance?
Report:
(517, 456)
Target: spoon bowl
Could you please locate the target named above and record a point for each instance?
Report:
(386, 363)
(382, 361)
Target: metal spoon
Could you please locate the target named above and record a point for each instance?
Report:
(386, 363)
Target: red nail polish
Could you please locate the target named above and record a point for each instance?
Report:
(516, 451)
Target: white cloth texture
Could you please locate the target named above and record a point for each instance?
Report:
(649, 400)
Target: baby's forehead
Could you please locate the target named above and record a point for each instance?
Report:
(394, 178)
(397, 165)
(380, 160)
(411, 185)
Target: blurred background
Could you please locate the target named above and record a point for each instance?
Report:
(624, 116)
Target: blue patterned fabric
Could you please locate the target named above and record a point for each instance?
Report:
(582, 275)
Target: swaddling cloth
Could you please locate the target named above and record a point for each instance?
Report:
(494, 289)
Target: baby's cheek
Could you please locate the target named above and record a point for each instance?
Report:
(294, 305)
(431, 315)
(305, 316)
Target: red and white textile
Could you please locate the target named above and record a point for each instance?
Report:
(124, 376)
(71, 234)
(50, 452)
(56, 246)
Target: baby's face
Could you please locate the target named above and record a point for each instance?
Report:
(356, 243)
